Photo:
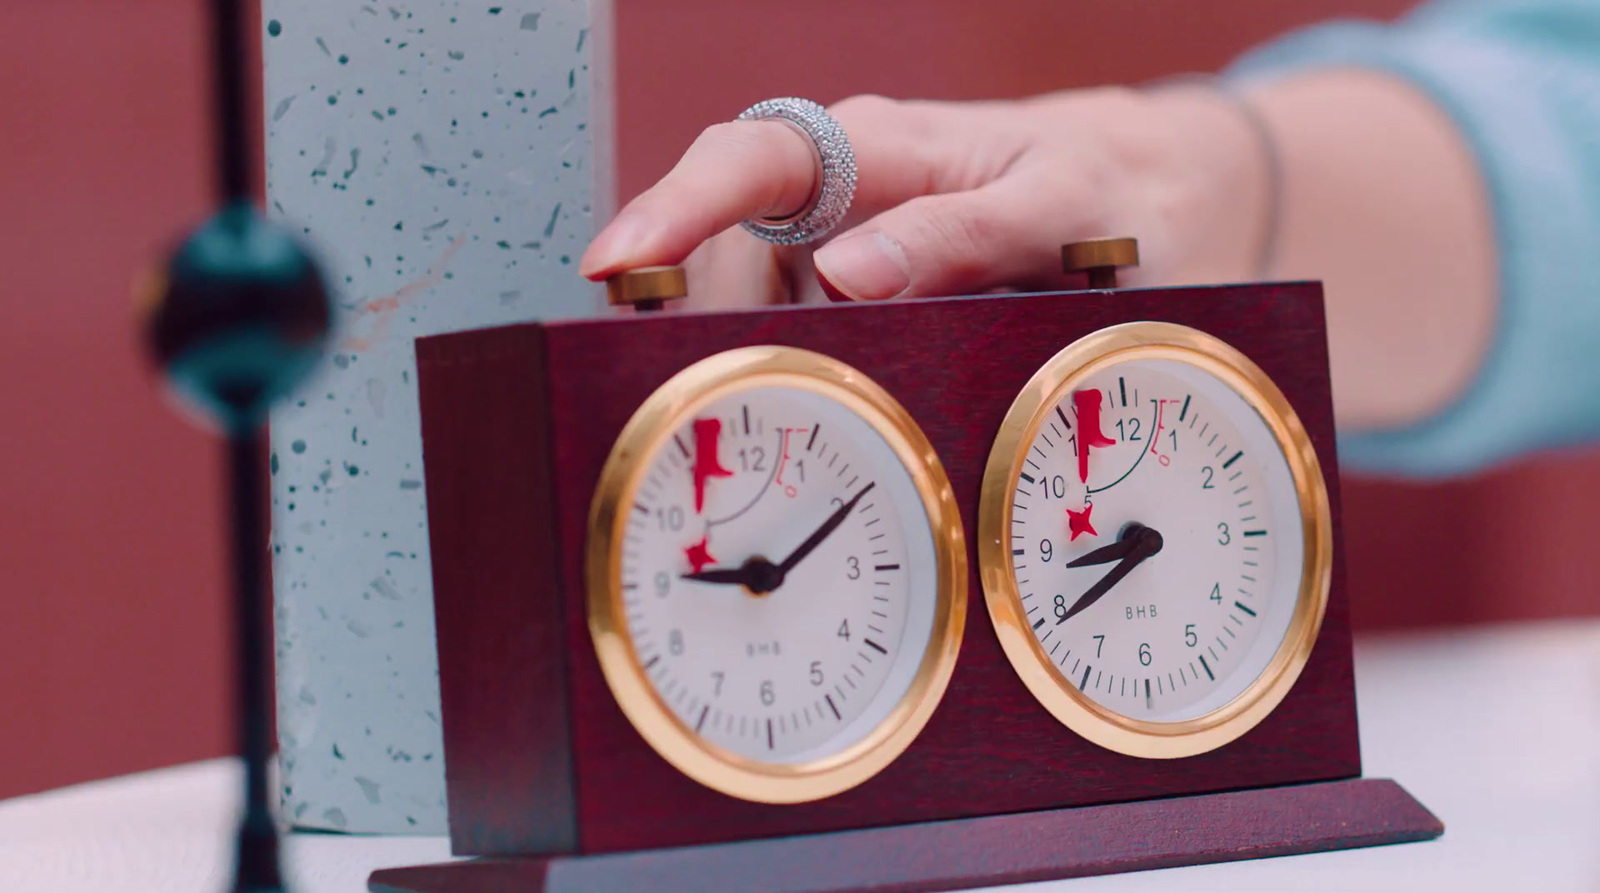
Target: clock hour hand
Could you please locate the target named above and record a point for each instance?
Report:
(757, 574)
(821, 533)
(1113, 552)
(1146, 542)
(733, 576)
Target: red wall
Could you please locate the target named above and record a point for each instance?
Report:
(110, 567)
(110, 574)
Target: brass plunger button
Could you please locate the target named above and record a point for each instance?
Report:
(1100, 258)
(646, 288)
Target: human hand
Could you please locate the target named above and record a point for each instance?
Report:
(960, 198)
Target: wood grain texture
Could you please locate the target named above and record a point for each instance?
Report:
(980, 852)
(497, 606)
(955, 364)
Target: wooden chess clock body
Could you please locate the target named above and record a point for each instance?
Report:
(564, 774)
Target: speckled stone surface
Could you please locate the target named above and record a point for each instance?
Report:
(443, 158)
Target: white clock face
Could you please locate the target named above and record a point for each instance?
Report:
(779, 581)
(1182, 517)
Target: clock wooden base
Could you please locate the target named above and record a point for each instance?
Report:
(980, 852)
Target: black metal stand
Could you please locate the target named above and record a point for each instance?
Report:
(228, 101)
(257, 870)
(240, 317)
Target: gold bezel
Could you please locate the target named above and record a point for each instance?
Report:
(1101, 725)
(646, 433)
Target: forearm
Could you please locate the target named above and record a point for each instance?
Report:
(1382, 200)
(1379, 197)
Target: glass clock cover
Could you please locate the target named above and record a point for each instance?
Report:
(1165, 542)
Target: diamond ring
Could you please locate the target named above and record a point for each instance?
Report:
(836, 172)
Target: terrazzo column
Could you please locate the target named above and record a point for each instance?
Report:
(447, 159)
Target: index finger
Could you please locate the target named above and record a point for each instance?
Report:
(766, 168)
(732, 172)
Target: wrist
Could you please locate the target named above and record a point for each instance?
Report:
(1226, 167)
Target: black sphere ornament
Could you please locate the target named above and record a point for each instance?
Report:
(241, 316)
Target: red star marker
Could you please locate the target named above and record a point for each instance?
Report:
(699, 554)
(1086, 404)
(1078, 522)
(706, 464)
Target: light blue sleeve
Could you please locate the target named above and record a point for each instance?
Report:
(1521, 79)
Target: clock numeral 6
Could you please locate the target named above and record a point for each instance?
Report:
(1144, 654)
(767, 697)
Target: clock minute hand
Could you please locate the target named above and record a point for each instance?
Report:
(761, 576)
(1147, 542)
(821, 533)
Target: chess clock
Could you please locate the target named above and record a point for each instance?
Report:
(900, 596)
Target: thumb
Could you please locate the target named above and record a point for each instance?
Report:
(1001, 234)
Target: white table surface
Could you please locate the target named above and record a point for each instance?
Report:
(1497, 731)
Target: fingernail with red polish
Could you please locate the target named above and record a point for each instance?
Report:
(865, 266)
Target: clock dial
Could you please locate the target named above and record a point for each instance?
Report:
(1186, 485)
(1156, 538)
(783, 578)
(775, 557)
